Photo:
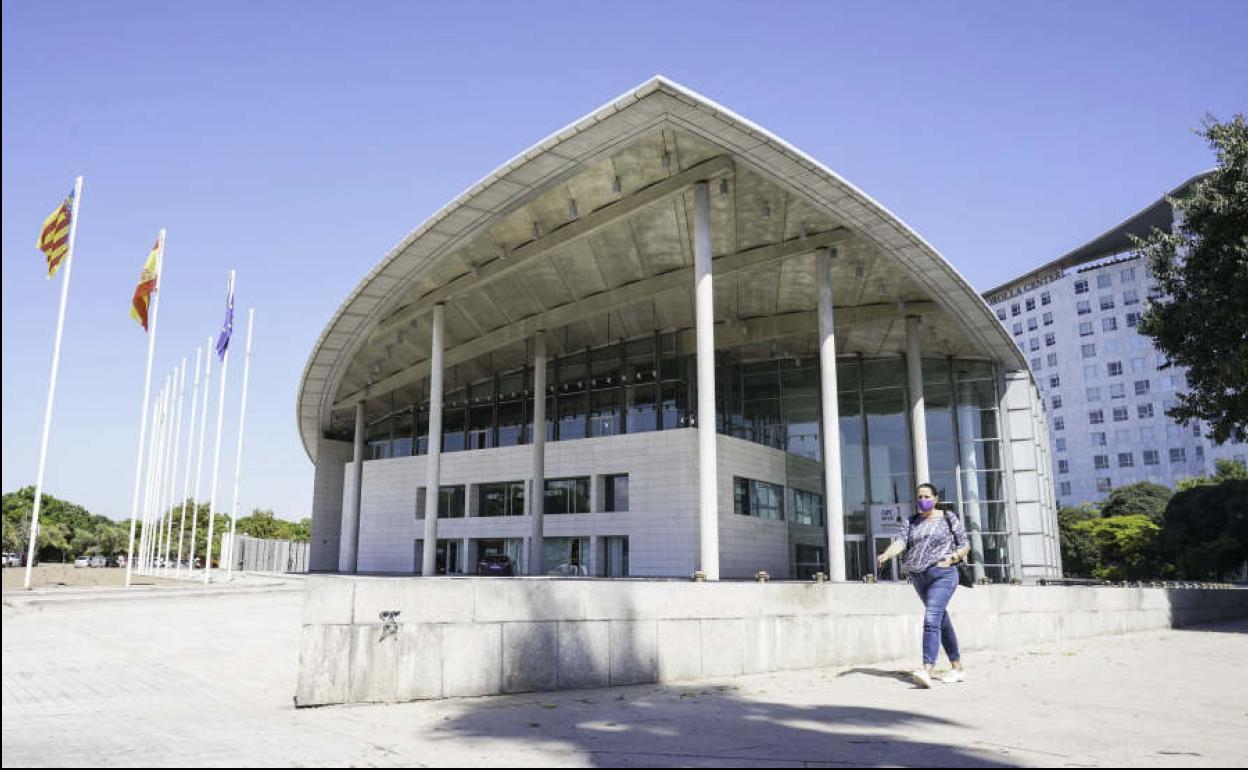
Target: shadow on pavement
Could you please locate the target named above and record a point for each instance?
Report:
(673, 726)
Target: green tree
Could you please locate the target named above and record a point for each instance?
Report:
(1206, 529)
(1080, 556)
(1127, 547)
(1144, 498)
(1202, 267)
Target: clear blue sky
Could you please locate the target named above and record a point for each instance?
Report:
(299, 141)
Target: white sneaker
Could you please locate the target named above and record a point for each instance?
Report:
(953, 676)
(921, 678)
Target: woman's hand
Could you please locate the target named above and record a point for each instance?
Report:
(945, 563)
(881, 560)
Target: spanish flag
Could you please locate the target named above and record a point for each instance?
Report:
(54, 237)
(147, 285)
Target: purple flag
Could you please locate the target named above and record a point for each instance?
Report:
(227, 328)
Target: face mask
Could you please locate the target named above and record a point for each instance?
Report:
(927, 505)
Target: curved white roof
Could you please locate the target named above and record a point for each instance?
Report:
(583, 223)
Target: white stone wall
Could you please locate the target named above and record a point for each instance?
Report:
(327, 490)
(1032, 501)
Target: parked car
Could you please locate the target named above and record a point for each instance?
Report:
(496, 565)
(82, 561)
(12, 560)
(99, 561)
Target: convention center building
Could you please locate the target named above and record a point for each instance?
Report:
(735, 360)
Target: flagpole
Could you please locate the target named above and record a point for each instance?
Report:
(147, 387)
(186, 476)
(162, 473)
(156, 466)
(216, 460)
(147, 481)
(177, 453)
(199, 460)
(238, 458)
(56, 364)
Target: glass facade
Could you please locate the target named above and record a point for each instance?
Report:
(647, 385)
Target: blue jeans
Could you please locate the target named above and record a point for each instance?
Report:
(936, 586)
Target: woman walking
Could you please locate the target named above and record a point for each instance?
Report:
(933, 542)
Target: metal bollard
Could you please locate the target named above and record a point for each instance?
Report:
(820, 577)
(699, 576)
(761, 576)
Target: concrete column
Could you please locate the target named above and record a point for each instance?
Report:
(708, 476)
(433, 476)
(918, 414)
(537, 489)
(349, 555)
(830, 429)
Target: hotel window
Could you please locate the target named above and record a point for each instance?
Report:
(1099, 438)
(1109, 324)
(1018, 328)
(616, 492)
(1085, 328)
(1001, 313)
(1032, 324)
(1096, 417)
(758, 499)
(1055, 381)
(1200, 453)
(1014, 309)
(1107, 302)
(1151, 457)
(1063, 466)
(1128, 275)
(1130, 297)
(1052, 359)
(1117, 390)
(1120, 414)
(1065, 487)
(1048, 319)
(1030, 304)
(1035, 363)
(1178, 455)
(1033, 343)
(1104, 280)
(1081, 287)
(1045, 298)
(1144, 411)
(1059, 423)
(567, 496)
(1126, 460)
(1101, 462)
(1089, 350)
(1092, 394)
(1113, 368)
(1057, 402)
(450, 502)
(805, 507)
(504, 499)
(1103, 485)
(1061, 445)
(1141, 387)
(1133, 320)
(1083, 307)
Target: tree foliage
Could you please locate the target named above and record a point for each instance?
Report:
(1127, 546)
(1145, 498)
(1202, 267)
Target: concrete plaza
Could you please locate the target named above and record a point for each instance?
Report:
(205, 678)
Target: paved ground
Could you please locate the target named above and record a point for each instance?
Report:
(206, 679)
(50, 576)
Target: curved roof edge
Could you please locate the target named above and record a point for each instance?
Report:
(560, 153)
(1112, 241)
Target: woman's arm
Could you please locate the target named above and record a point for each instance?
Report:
(893, 549)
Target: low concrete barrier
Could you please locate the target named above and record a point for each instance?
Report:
(388, 639)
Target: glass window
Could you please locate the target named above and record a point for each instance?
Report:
(1050, 340)
(502, 499)
(567, 495)
(1065, 488)
(1107, 302)
(1113, 368)
(1126, 460)
(1052, 359)
(1014, 309)
(1048, 319)
(1178, 455)
(1141, 387)
(565, 556)
(1101, 461)
(1092, 394)
(1083, 307)
(1018, 328)
(1030, 304)
(1063, 466)
(1128, 275)
(1099, 438)
(1104, 280)
(1081, 286)
(1061, 445)
(1091, 373)
(1103, 484)
(805, 507)
(1144, 411)
(1152, 457)
(1089, 350)
(1059, 423)
(758, 499)
(450, 502)
(1085, 328)
(1032, 324)
(616, 492)
(1035, 364)
(1137, 365)
(1130, 297)
(1133, 320)
(1109, 324)
(1033, 343)
(1057, 402)
(1117, 390)
(1120, 414)
(1096, 417)
(1055, 381)
(1045, 299)
(604, 415)
(481, 426)
(1001, 313)
(454, 420)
